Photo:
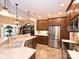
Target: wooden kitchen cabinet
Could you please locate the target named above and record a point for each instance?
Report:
(42, 25)
(28, 43)
(33, 56)
(62, 22)
(40, 40)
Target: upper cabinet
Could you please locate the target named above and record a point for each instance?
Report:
(74, 25)
(75, 8)
(42, 25)
(62, 22)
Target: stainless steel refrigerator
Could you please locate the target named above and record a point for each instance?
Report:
(54, 36)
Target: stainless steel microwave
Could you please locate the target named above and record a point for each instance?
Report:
(74, 25)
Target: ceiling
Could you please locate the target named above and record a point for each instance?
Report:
(43, 9)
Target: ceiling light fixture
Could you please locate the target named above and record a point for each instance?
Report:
(58, 19)
(71, 11)
(60, 13)
(28, 19)
(76, 10)
(16, 21)
(48, 16)
(76, 1)
(68, 12)
(62, 4)
(39, 17)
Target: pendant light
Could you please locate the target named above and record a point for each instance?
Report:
(16, 21)
(28, 18)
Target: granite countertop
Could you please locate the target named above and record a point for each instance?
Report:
(12, 51)
(17, 41)
(16, 53)
(42, 35)
(3, 40)
(22, 39)
(73, 54)
(68, 41)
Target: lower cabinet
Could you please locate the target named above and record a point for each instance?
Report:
(28, 43)
(33, 56)
(40, 40)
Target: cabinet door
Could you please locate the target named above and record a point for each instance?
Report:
(42, 24)
(76, 24)
(45, 24)
(73, 26)
(39, 25)
(28, 43)
(42, 40)
(34, 42)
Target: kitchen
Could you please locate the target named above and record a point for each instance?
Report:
(39, 37)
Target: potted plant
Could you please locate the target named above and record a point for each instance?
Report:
(9, 30)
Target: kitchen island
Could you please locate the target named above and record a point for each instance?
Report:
(15, 49)
(73, 54)
(16, 41)
(17, 53)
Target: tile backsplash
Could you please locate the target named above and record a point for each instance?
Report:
(74, 36)
(43, 33)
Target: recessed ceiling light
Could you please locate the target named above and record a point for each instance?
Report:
(76, 10)
(58, 19)
(76, 1)
(71, 11)
(68, 12)
(60, 13)
(39, 17)
(48, 15)
(62, 4)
